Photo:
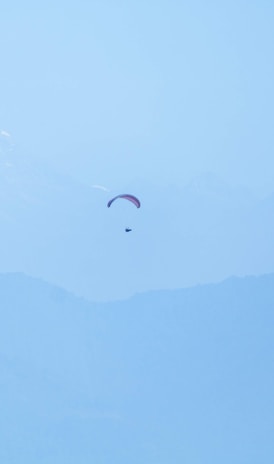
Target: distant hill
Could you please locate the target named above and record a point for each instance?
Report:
(57, 228)
(163, 377)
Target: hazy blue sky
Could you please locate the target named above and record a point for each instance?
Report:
(140, 94)
(112, 91)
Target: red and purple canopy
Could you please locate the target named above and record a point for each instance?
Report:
(128, 197)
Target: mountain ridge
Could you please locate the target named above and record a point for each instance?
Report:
(155, 378)
(25, 280)
(60, 229)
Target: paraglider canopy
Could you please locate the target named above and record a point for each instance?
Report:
(128, 197)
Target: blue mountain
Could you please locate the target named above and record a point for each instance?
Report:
(163, 377)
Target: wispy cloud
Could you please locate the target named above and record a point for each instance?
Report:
(100, 187)
(4, 133)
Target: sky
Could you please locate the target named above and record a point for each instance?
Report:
(159, 91)
(172, 101)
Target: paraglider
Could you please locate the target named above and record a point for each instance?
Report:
(129, 197)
